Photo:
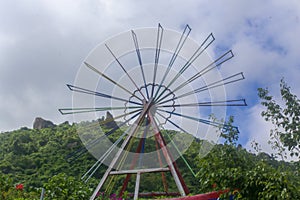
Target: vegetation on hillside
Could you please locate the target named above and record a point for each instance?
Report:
(36, 159)
(33, 159)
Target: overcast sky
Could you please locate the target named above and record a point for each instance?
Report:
(43, 43)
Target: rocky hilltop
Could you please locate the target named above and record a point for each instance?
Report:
(40, 123)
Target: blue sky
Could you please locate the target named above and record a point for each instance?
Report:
(43, 43)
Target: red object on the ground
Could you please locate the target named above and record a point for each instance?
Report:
(20, 186)
(214, 185)
(207, 196)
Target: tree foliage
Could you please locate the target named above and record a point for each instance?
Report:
(36, 159)
(286, 119)
(62, 186)
(247, 176)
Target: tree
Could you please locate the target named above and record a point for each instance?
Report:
(228, 132)
(231, 168)
(285, 118)
(246, 176)
(66, 187)
(12, 191)
(226, 166)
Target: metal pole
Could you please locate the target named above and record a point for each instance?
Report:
(137, 186)
(166, 155)
(42, 194)
(115, 159)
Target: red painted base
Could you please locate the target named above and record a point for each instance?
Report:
(207, 196)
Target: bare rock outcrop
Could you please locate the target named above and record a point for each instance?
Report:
(40, 123)
(109, 121)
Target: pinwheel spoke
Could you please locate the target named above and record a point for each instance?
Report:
(208, 122)
(235, 102)
(220, 83)
(206, 43)
(137, 49)
(86, 91)
(111, 80)
(66, 111)
(125, 71)
(179, 46)
(160, 31)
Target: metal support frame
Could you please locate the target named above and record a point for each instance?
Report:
(115, 159)
(159, 138)
(136, 171)
(137, 186)
(158, 93)
(171, 164)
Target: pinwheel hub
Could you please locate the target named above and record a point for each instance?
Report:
(153, 107)
(162, 101)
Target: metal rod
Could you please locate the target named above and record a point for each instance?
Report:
(137, 49)
(179, 46)
(42, 194)
(86, 91)
(157, 52)
(135, 171)
(178, 151)
(90, 144)
(139, 149)
(225, 81)
(196, 54)
(143, 140)
(111, 80)
(137, 186)
(235, 102)
(120, 64)
(135, 126)
(223, 58)
(64, 111)
(153, 194)
(167, 156)
(160, 163)
(212, 123)
(102, 158)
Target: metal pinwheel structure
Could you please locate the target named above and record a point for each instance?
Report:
(152, 80)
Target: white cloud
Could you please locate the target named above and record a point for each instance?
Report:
(42, 44)
(258, 129)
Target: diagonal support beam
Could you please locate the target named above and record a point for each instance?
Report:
(135, 127)
(172, 166)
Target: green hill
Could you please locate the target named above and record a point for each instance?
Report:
(36, 158)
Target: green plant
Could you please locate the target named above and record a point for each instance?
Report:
(286, 120)
(66, 187)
